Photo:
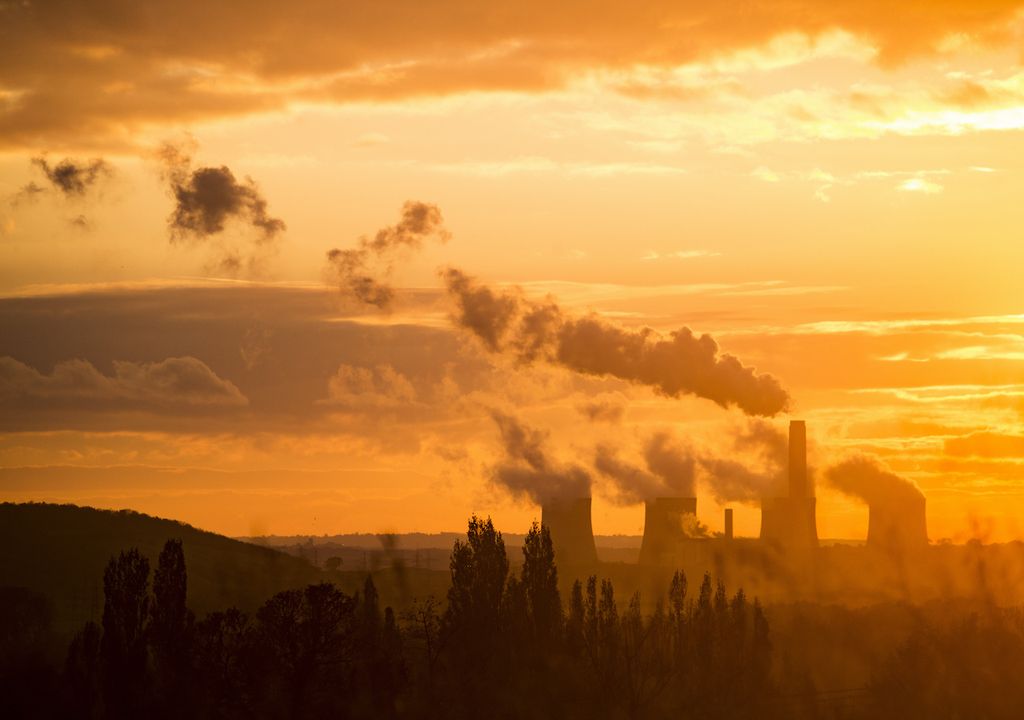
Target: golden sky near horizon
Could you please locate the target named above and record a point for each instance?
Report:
(830, 190)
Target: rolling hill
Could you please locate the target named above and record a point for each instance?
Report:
(60, 551)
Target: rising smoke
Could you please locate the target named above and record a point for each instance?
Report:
(865, 477)
(733, 480)
(680, 364)
(363, 272)
(669, 472)
(526, 468)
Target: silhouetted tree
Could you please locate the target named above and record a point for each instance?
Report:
(123, 646)
(170, 632)
(305, 647)
(540, 585)
(82, 674)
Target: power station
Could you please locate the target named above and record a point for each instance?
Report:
(789, 529)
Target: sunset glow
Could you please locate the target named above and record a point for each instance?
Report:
(239, 304)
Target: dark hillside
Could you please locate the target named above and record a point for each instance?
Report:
(60, 551)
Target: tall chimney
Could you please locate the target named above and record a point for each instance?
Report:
(572, 532)
(798, 459)
(728, 523)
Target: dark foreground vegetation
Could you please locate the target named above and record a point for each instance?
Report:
(504, 645)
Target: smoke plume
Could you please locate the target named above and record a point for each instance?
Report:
(207, 198)
(633, 484)
(669, 472)
(732, 480)
(680, 364)
(866, 478)
(363, 272)
(72, 178)
(526, 468)
(673, 462)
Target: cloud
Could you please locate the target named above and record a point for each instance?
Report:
(678, 255)
(174, 384)
(607, 408)
(96, 72)
(207, 198)
(986, 444)
(380, 387)
(72, 178)
(674, 365)
(526, 468)
(920, 185)
(362, 272)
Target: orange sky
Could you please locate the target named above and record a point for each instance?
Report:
(830, 190)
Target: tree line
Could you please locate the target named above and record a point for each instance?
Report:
(502, 643)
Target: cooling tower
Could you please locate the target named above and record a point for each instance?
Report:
(572, 533)
(666, 522)
(898, 526)
(789, 522)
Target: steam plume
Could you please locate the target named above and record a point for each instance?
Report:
(362, 272)
(680, 364)
(672, 462)
(669, 470)
(865, 477)
(70, 177)
(633, 484)
(732, 480)
(527, 470)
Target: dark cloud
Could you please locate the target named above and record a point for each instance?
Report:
(865, 477)
(72, 178)
(526, 468)
(680, 364)
(179, 383)
(363, 272)
(283, 363)
(207, 198)
(95, 72)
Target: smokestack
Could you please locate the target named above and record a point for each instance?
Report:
(572, 532)
(728, 523)
(798, 486)
(666, 520)
(898, 525)
(789, 523)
